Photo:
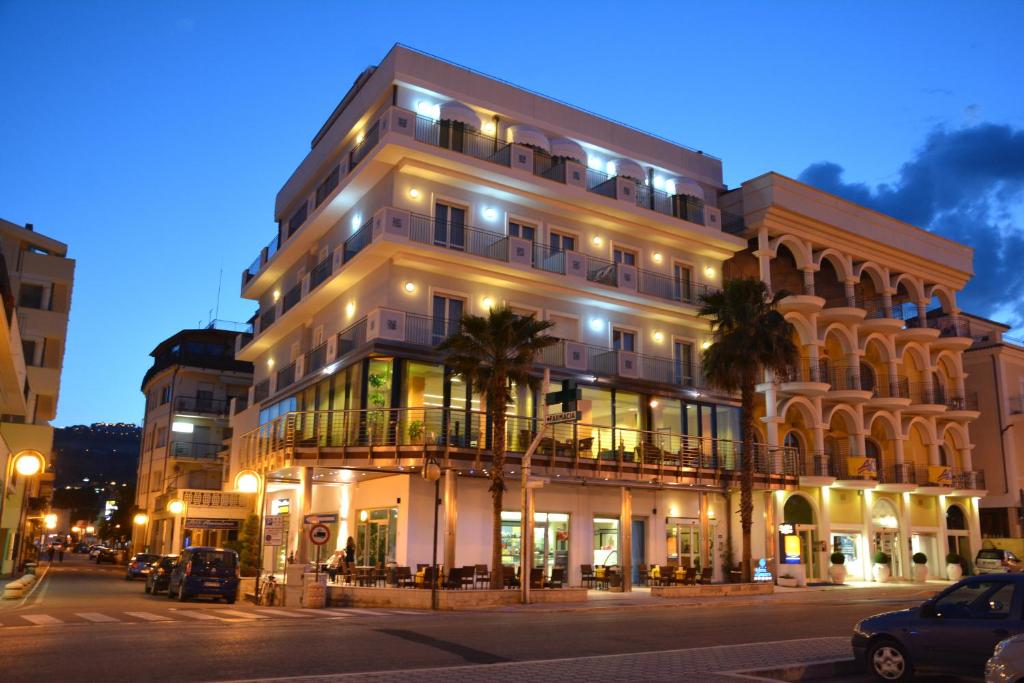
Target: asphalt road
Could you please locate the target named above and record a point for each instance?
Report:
(118, 643)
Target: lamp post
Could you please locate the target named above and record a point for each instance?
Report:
(176, 507)
(28, 463)
(249, 481)
(432, 472)
(142, 519)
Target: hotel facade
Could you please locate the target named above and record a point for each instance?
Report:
(432, 192)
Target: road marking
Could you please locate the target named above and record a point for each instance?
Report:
(196, 614)
(283, 613)
(243, 615)
(41, 619)
(149, 616)
(96, 617)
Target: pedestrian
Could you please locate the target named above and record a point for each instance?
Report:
(50, 553)
(60, 554)
(350, 550)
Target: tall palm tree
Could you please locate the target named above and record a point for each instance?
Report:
(749, 336)
(492, 353)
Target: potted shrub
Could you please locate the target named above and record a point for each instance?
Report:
(954, 570)
(837, 572)
(881, 570)
(920, 567)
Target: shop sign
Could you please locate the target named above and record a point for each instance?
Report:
(193, 523)
(320, 519)
(790, 543)
(761, 573)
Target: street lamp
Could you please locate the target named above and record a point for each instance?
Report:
(89, 530)
(27, 463)
(140, 518)
(432, 472)
(250, 481)
(176, 506)
(50, 521)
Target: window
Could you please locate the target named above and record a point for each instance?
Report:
(449, 226)
(447, 316)
(28, 349)
(560, 242)
(626, 257)
(165, 394)
(682, 363)
(623, 340)
(161, 437)
(522, 231)
(297, 219)
(681, 278)
(982, 600)
(31, 296)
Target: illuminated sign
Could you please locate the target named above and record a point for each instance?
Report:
(761, 572)
(786, 529)
(791, 549)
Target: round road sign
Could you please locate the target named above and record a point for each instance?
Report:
(319, 534)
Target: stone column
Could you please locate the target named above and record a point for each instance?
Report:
(626, 539)
(763, 255)
(808, 281)
(867, 499)
(905, 536)
(305, 507)
(451, 518)
(707, 543)
(850, 287)
(922, 313)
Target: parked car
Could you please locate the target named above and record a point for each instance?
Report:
(94, 550)
(160, 574)
(996, 561)
(205, 572)
(1006, 665)
(81, 548)
(953, 633)
(139, 565)
(106, 555)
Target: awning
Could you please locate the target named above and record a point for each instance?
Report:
(630, 169)
(528, 135)
(457, 111)
(564, 147)
(689, 187)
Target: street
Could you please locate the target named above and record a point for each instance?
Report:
(112, 630)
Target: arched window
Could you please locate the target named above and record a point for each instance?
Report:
(945, 458)
(874, 451)
(793, 440)
(798, 510)
(955, 520)
(867, 377)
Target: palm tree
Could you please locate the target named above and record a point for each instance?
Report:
(492, 353)
(749, 337)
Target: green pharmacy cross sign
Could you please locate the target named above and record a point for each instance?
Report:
(568, 396)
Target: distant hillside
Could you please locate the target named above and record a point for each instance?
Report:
(100, 452)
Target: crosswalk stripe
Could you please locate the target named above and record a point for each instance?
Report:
(149, 616)
(197, 614)
(41, 619)
(363, 612)
(283, 613)
(244, 615)
(96, 617)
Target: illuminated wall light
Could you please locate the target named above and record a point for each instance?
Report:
(182, 427)
(350, 309)
(428, 109)
(659, 337)
(597, 325)
(656, 257)
(594, 163)
(363, 515)
(610, 169)
(705, 345)
(709, 271)
(360, 136)
(597, 240)
(357, 220)
(488, 302)
(277, 295)
(270, 362)
(659, 183)
(653, 403)
(489, 128)
(670, 186)
(409, 287)
(490, 213)
(414, 193)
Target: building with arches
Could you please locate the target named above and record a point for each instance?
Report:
(878, 407)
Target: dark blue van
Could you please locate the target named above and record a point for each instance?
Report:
(205, 572)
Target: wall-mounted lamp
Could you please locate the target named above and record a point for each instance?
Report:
(414, 193)
(409, 287)
(656, 257)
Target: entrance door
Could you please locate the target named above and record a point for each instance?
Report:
(550, 541)
(638, 556)
(888, 541)
(808, 550)
(683, 544)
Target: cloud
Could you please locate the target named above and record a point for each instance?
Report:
(967, 185)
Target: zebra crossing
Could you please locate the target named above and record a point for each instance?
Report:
(213, 615)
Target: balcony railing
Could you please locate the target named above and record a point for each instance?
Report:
(817, 464)
(807, 370)
(583, 447)
(1017, 405)
(456, 138)
(458, 237)
(267, 317)
(962, 402)
(897, 473)
(363, 147)
(316, 359)
(352, 337)
(201, 404)
(286, 376)
(291, 297)
(888, 386)
(844, 377)
(261, 390)
(188, 450)
(320, 272)
(925, 393)
(951, 326)
(844, 301)
(877, 308)
(969, 479)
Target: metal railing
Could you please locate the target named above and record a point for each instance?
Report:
(585, 448)
(926, 393)
(363, 147)
(877, 308)
(352, 337)
(969, 479)
(458, 237)
(672, 288)
(316, 359)
(890, 386)
(806, 370)
(358, 241)
(962, 402)
(286, 376)
(446, 135)
(291, 297)
(817, 464)
(241, 404)
(844, 377)
(261, 390)
(320, 272)
(897, 473)
(951, 326)
(201, 404)
(188, 450)
(844, 301)
(267, 317)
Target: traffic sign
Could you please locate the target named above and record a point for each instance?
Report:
(331, 518)
(273, 537)
(276, 522)
(556, 418)
(319, 534)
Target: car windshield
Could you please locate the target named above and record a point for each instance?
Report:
(145, 558)
(992, 554)
(977, 600)
(213, 562)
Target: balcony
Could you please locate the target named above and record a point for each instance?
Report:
(845, 384)
(199, 452)
(897, 477)
(285, 377)
(954, 332)
(201, 405)
(842, 309)
(855, 471)
(962, 407)
(888, 392)
(881, 317)
(809, 377)
(397, 440)
(926, 399)
(817, 469)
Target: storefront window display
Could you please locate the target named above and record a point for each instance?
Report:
(606, 542)
(682, 542)
(376, 535)
(849, 545)
(550, 539)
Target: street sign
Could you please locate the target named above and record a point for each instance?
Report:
(319, 534)
(556, 418)
(273, 537)
(321, 519)
(568, 396)
(276, 522)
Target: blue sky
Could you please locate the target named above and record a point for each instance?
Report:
(152, 137)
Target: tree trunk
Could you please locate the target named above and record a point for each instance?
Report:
(747, 473)
(496, 407)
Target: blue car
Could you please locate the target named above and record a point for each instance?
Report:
(205, 572)
(139, 566)
(953, 633)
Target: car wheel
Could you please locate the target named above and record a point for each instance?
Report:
(888, 661)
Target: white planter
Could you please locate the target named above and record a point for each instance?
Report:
(955, 572)
(881, 572)
(920, 573)
(790, 582)
(837, 573)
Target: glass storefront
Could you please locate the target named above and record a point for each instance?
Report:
(550, 539)
(682, 542)
(376, 535)
(849, 545)
(606, 541)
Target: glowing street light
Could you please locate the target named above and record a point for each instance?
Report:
(29, 463)
(176, 506)
(50, 521)
(90, 529)
(140, 518)
(247, 481)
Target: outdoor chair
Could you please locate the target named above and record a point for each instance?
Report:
(428, 576)
(536, 577)
(557, 579)
(483, 576)
(587, 575)
(705, 574)
(454, 581)
(508, 576)
(403, 577)
(468, 576)
(691, 577)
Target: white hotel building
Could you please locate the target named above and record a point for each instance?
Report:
(433, 191)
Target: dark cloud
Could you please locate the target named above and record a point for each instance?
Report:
(967, 185)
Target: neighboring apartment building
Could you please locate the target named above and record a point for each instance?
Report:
(188, 392)
(36, 291)
(433, 191)
(995, 379)
(877, 407)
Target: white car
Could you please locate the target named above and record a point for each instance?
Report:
(1007, 662)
